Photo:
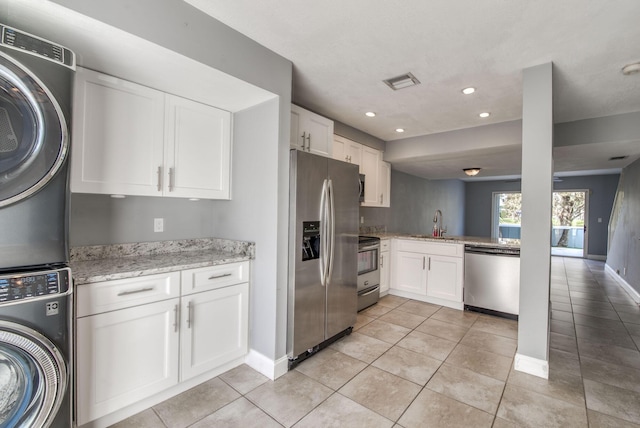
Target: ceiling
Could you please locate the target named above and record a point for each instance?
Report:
(343, 50)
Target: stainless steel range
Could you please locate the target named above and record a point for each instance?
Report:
(368, 271)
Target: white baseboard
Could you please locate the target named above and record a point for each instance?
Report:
(632, 292)
(532, 366)
(266, 366)
(597, 257)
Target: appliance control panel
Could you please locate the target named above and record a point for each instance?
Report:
(34, 45)
(33, 284)
(310, 240)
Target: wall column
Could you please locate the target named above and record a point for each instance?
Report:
(537, 189)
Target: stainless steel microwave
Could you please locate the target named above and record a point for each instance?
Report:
(361, 187)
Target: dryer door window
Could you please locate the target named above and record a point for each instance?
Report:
(33, 377)
(33, 133)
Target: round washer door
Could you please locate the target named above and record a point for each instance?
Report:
(33, 133)
(33, 377)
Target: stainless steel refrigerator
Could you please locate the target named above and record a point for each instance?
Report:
(323, 250)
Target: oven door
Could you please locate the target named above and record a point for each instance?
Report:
(368, 257)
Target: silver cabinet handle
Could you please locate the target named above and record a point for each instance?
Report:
(381, 261)
(429, 263)
(304, 134)
(423, 262)
(380, 198)
(219, 276)
(172, 179)
(140, 290)
(309, 142)
(176, 319)
(159, 179)
(189, 313)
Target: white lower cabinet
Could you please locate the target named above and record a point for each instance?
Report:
(385, 267)
(221, 314)
(125, 356)
(428, 271)
(141, 336)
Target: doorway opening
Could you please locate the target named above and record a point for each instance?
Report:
(569, 218)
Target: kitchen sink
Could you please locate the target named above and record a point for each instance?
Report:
(429, 236)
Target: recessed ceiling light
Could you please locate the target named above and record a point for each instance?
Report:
(631, 68)
(485, 114)
(615, 158)
(471, 171)
(370, 114)
(468, 91)
(399, 130)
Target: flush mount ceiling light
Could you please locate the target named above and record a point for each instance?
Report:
(484, 114)
(468, 91)
(370, 114)
(471, 171)
(400, 82)
(631, 68)
(399, 129)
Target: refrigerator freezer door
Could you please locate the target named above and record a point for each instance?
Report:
(307, 294)
(342, 294)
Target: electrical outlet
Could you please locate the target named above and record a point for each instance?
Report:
(362, 220)
(158, 225)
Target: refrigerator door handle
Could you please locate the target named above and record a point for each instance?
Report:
(332, 231)
(323, 234)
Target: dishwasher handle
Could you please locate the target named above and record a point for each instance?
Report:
(492, 251)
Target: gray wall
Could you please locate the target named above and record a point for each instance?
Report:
(177, 26)
(414, 201)
(602, 190)
(624, 251)
(357, 135)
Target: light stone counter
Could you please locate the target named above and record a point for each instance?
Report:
(472, 240)
(107, 262)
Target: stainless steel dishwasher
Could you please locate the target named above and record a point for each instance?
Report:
(492, 280)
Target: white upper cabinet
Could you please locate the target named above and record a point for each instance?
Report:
(384, 183)
(197, 150)
(132, 140)
(347, 150)
(311, 132)
(117, 137)
(369, 167)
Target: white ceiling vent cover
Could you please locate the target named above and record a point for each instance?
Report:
(403, 81)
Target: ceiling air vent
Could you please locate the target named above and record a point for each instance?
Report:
(615, 158)
(403, 81)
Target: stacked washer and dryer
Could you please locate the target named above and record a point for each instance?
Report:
(36, 344)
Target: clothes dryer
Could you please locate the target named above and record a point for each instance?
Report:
(36, 78)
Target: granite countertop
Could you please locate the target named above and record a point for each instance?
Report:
(108, 262)
(472, 240)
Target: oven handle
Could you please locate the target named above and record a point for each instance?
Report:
(368, 248)
(373, 290)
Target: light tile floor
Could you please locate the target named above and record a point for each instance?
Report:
(412, 364)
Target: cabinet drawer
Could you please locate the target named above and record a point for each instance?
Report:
(123, 293)
(428, 247)
(384, 245)
(210, 278)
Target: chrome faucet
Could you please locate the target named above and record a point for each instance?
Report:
(437, 226)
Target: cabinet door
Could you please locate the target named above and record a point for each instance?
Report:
(117, 144)
(197, 150)
(125, 356)
(296, 140)
(319, 134)
(444, 279)
(338, 150)
(354, 152)
(384, 184)
(385, 272)
(369, 167)
(410, 272)
(214, 329)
